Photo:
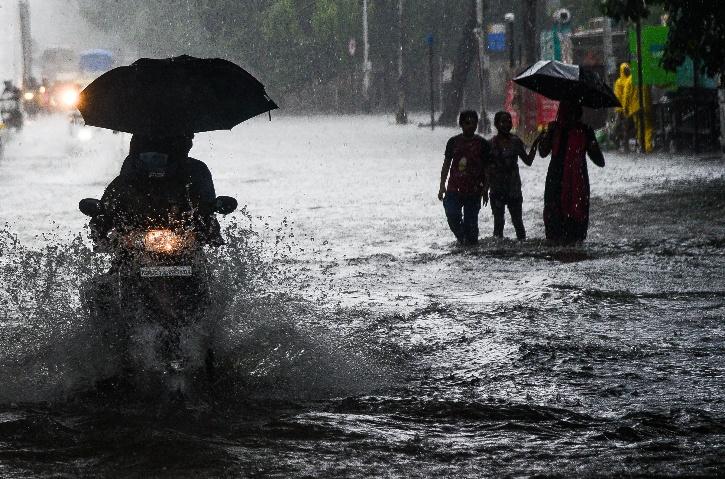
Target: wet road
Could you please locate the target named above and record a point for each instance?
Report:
(359, 340)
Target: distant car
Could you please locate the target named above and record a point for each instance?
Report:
(64, 96)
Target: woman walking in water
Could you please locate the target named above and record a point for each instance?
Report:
(566, 196)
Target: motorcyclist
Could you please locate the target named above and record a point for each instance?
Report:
(159, 181)
(159, 184)
(10, 106)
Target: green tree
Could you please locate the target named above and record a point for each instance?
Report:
(293, 45)
(696, 29)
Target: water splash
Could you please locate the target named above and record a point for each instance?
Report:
(273, 337)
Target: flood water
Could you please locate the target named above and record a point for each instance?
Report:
(358, 340)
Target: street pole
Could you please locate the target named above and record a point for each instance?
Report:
(696, 99)
(609, 62)
(527, 109)
(366, 60)
(510, 18)
(531, 33)
(401, 118)
(721, 101)
(429, 40)
(640, 88)
(26, 42)
(483, 125)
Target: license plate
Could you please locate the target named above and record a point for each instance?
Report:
(165, 271)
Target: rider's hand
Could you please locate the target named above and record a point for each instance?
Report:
(441, 193)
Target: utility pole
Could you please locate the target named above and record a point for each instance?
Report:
(608, 53)
(721, 101)
(366, 59)
(429, 41)
(640, 88)
(696, 95)
(26, 42)
(528, 103)
(401, 118)
(483, 125)
(510, 18)
(531, 34)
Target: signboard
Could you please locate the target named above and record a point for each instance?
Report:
(496, 38)
(546, 110)
(654, 38)
(686, 77)
(510, 104)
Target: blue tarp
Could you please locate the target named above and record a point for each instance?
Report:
(96, 60)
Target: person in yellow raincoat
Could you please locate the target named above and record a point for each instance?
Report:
(625, 76)
(623, 121)
(631, 108)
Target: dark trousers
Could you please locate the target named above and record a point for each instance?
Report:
(499, 216)
(462, 214)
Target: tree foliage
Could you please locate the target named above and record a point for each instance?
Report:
(293, 45)
(627, 10)
(696, 30)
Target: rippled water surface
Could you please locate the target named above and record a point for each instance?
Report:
(357, 339)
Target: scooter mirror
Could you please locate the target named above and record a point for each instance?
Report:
(225, 205)
(90, 207)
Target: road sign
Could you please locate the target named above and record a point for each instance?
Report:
(496, 38)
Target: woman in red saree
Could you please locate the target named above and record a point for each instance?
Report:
(566, 196)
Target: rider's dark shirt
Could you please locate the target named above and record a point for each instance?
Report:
(133, 199)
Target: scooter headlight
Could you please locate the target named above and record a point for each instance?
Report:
(162, 241)
(166, 241)
(28, 95)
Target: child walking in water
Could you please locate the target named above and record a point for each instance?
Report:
(464, 165)
(505, 182)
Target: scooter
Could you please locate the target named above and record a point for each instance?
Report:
(150, 308)
(12, 119)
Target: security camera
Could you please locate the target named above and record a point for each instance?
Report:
(562, 16)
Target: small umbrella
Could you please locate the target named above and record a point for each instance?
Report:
(173, 96)
(564, 82)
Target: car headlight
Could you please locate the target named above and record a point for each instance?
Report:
(69, 97)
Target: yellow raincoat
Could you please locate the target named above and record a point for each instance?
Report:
(625, 77)
(630, 105)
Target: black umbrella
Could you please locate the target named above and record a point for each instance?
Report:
(173, 96)
(564, 82)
